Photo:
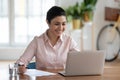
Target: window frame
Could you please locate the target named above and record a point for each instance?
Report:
(11, 23)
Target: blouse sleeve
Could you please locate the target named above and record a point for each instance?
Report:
(73, 45)
(28, 53)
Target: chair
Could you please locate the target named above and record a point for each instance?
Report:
(31, 65)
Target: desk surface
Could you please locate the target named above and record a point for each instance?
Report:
(111, 72)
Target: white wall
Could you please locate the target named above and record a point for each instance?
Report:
(66, 3)
(10, 53)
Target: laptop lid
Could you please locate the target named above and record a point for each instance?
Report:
(85, 63)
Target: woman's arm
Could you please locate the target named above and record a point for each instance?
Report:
(73, 45)
(28, 53)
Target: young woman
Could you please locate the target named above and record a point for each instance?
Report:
(51, 48)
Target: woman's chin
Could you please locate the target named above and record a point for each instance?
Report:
(58, 34)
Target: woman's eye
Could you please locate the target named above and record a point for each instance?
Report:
(57, 24)
(64, 24)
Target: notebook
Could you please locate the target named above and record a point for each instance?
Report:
(84, 63)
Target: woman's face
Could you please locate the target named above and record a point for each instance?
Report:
(57, 25)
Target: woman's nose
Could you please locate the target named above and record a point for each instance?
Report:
(60, 27)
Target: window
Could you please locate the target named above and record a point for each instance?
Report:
(21, 20)
(4, 29)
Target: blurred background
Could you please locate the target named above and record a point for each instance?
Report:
(21, 20)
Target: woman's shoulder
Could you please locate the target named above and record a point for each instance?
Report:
(39, 36)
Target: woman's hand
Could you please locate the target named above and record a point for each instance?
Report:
(21, 69)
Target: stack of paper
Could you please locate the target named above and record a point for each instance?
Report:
(34, 72)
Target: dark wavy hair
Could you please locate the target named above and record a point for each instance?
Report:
(54, 12)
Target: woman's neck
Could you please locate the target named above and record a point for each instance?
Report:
(53, 39)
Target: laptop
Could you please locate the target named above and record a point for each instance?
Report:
(84, 63)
